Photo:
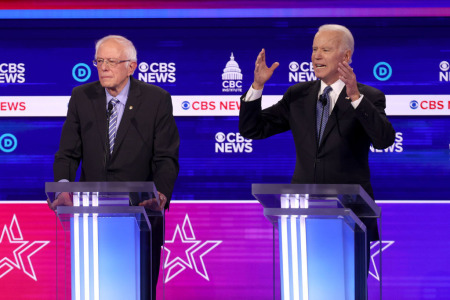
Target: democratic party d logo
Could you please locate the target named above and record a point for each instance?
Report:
(81, 72)
(8, 142)
(382, 71)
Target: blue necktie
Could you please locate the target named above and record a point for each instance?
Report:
(112, 131)
(322, 113)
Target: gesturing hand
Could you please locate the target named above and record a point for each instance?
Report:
(262, 72)
(349, 78)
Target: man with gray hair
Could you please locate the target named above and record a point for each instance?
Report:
(333, 120)
(121, 129)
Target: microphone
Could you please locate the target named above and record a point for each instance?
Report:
(323, 100)
(110, 108)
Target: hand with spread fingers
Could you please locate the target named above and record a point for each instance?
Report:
(63, 199)
(262, 72)
(152, 204)
(347, 75)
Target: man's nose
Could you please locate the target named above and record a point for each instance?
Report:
(317, 55)
(105, 66)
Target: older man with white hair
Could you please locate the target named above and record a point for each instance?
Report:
(333, 120)
(121, 129)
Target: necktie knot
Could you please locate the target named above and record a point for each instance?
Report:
(327, 90)
(114, 101)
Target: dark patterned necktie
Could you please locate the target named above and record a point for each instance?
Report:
(322, 112)
(112, 131)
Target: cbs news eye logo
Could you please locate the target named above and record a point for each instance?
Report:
(430, 104)
(444, 74)
(444, 66)
(12, 72)
(414, 104)
(294, 66)
(8, 143)
(232, 142)
(185, 105)
(157, 72)
(220, 137)
(301, 72)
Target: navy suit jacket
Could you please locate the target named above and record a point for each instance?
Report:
(343, 155)
(147, 141)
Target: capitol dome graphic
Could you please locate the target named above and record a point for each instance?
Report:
(232, 71)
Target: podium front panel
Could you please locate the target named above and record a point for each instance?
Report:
(321, 238)
(108, 240)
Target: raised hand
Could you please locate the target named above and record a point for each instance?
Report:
(349, 78)
(262, 72)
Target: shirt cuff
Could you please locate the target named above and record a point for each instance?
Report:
(357, 102)
(252, 94)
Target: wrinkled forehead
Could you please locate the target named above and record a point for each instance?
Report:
(110, 49)
(328, 38)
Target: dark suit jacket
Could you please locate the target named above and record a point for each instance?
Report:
(146, 147)
(343, 155)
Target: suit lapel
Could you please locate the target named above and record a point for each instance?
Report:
(341, 106)
(133, 103)
(99, 104)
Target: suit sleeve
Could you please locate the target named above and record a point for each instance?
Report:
(165, 165)
(68, 157)
(370, 112)
(255, 123)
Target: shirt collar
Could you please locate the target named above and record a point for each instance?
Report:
(337, 87)
(123, 95)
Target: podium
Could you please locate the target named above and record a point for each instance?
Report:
(108, 237)
(322, 240)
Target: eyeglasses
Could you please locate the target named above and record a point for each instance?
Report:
(109, 62)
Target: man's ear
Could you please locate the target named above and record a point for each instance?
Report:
(348, 56)
(132, 67)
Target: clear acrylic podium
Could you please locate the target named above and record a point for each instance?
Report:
(321, 238)
(104, 231)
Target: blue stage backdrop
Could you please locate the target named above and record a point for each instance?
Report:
(205, 59)
(407, 58)
(415, 168)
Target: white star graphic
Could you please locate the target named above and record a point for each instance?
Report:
(375, 249)
(184, 240)
(24, 249)
(5, 261)
(194, 254)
